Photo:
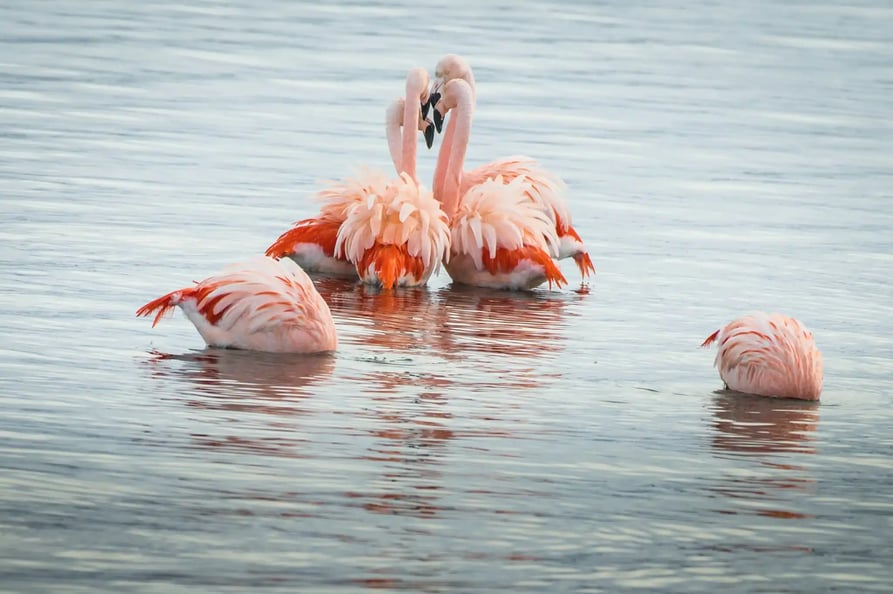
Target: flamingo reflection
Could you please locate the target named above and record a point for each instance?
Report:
(247, 383)
(772, 434)
(499, 323)
(476, 340)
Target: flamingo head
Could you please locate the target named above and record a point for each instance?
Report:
(454, 93)
(417, 86)
(427, 128)
(448, 68)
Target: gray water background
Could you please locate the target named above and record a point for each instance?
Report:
(722, 158)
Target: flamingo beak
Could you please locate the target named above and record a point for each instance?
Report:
(433, 97)
(429, 133)
(438, 120)
(436, 85)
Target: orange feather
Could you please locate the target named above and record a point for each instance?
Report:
(390, 262)
(506, 261)
(323, 233)
(163, 305)
(710, 339)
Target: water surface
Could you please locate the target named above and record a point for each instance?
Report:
(721, 158)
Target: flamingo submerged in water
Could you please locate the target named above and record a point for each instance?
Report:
(262, 304)
(499, 237)
(398, 236)
(768, 355)
(543, 188)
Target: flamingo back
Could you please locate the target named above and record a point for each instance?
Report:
(497, 214)
(768, 355)
(261, 304)
(340, 196)
(543, 187)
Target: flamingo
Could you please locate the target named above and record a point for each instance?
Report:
(262, 304)
(499, 237)
(545, 189)
(311, 241)
(768, 355)
(398, 235)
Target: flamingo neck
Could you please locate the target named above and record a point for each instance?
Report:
(451, 159)
(392, 130)
(469, 78)
(411, 114)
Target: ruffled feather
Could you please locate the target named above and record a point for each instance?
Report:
(497, 214)
(402, 214)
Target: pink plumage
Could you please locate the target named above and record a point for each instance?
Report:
(317, 243)
(543, 188)
(499, 238)
(262, 304)
(398, 235)
(768, 355)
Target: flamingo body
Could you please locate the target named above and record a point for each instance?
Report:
(396, 238)
(544, 189)
(500, 240)
(262, 304)
(768, 355)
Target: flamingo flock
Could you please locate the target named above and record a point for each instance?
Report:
(502, 225)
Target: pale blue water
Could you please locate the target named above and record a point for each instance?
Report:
(722, 158)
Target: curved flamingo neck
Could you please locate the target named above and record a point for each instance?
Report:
(451, 158)
(416, 86)
(392, 130)
(411, 112)
(468, 76)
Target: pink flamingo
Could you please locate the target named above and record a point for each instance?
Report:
(311, 241)
(544, 188)
(768, 355)
(398, 235)
(499, 237)
(262, 304)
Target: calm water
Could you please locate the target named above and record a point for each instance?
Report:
(722, 158)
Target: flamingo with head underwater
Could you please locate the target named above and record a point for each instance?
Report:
(543, 187)
(262, 304)
(395, 233)
(768, 355)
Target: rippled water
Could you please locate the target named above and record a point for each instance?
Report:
(722, 158)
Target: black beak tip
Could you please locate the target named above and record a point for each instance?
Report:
(425, 106)
(429, 135)
(434, 98)
(438, 121)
